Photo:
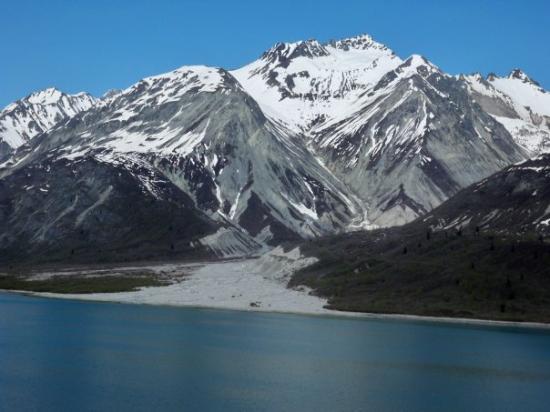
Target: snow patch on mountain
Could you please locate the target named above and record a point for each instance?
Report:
(519, 104)
(524, 92)
(39, 112)
(302, 83)
(172, 85)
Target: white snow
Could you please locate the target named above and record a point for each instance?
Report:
(303, 209)
(235, 205)
(47, 96)
(39, 112)
(167, 141)
(534, 139)
(338, 78)
(525, 93)
(173, 85)
(529, 102)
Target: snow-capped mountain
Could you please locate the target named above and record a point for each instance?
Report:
(310, 139)
(403, 152)
(37, 113)
(197, 130)
(306, 83)
(518, 103)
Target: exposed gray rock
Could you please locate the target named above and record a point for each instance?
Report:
(513, 201)
(419, 138)
(311, 139)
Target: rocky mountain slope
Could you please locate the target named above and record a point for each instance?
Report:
(519, 104)
(395, 132)
(404, 151)
(311, 139)
(513, 201)
(484, 253)
(94, 211)
(193, 130)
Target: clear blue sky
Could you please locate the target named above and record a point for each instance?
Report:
(97, 45)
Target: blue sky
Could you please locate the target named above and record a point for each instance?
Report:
(97, 45)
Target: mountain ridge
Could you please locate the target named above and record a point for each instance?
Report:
(37, 113)
(310, 139)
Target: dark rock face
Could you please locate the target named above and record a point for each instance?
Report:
(5, 151)
(515, 200)
(95, 211)
(257, 216)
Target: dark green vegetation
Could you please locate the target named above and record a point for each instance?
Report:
(80, 284)
(410, 270)
(494, 262)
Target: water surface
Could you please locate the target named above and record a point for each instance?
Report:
(74, 355)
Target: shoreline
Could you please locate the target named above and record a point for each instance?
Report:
(326, 313)
(246, 285)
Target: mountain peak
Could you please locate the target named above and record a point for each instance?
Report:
(38, 112)
(521, 75)
(111, 93)
(203, 76)
(414, 65)
(417, 61)
(359, 42)
(53, 95)
(47, 96)
(283, 52)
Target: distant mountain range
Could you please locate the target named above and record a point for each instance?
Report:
(311, 139)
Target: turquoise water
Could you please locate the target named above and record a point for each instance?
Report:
(58, 355)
